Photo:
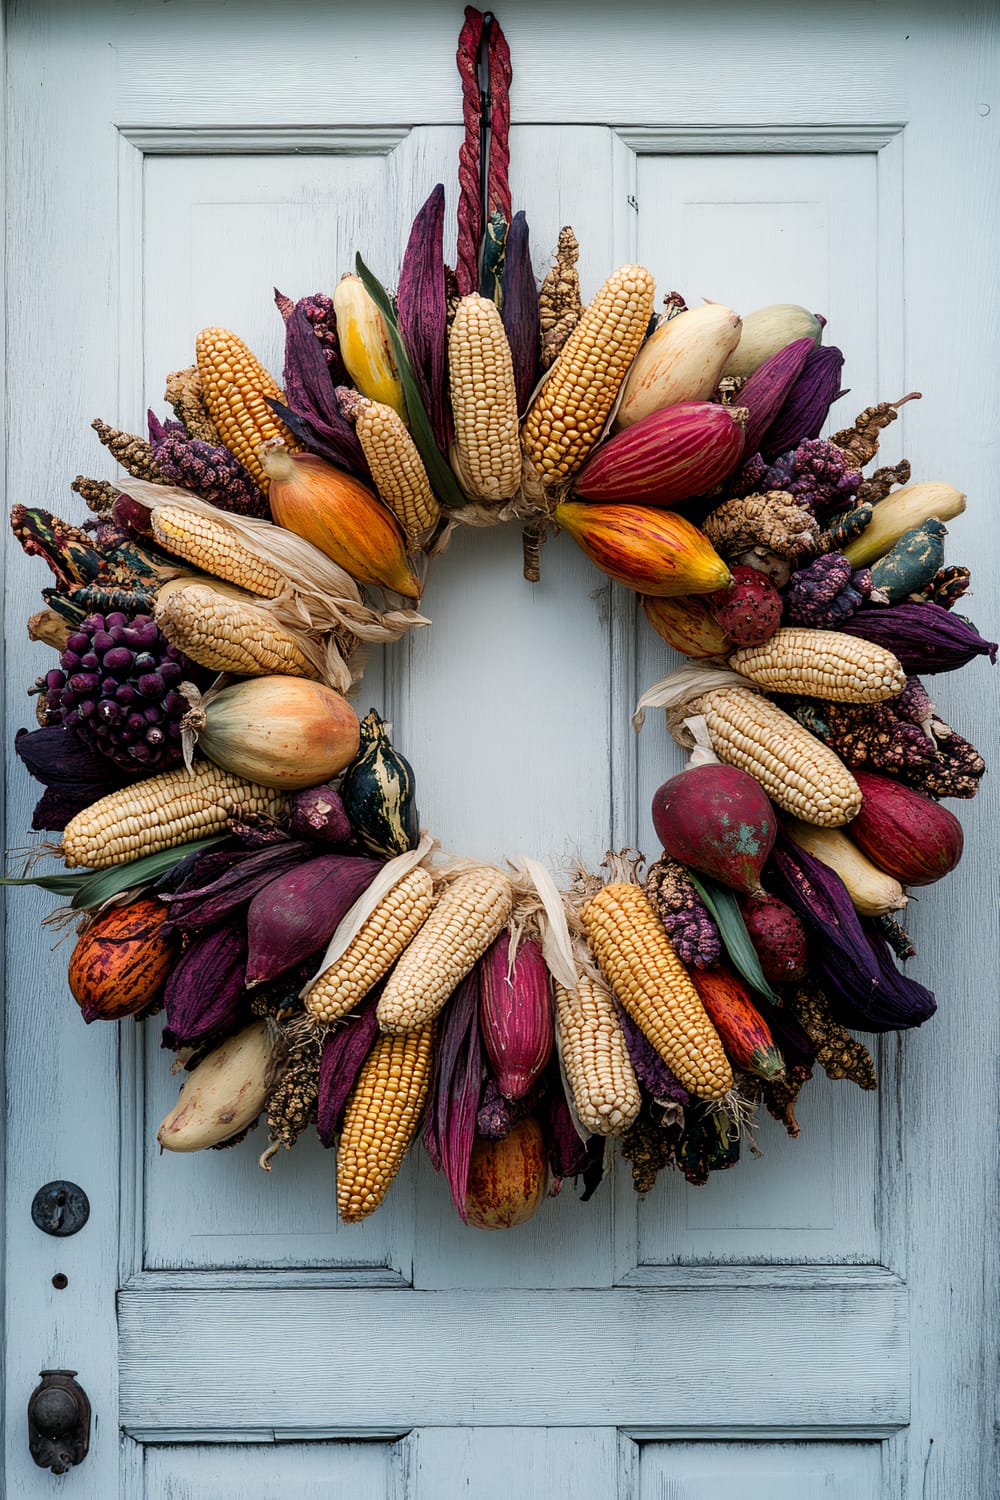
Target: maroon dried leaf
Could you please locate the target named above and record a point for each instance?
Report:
(422, 311)
(242, 873)
(203, 993)
(336, 440)
(450, 1123)
(767, 388)
(344, 1051)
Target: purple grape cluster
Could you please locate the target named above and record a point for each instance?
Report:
(119, 690)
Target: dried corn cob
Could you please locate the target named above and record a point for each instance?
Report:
(796, 770)
(235, 387)
(392, 925)
(839, 1054)
(184, 393)
(821, 664)
(486, 455)
(133, 453)
(211, 546)
(161, 812)
(228, 636)
(292, 1105)
(559, 304)
(569, 413)
(461, 926)
(99, 494)
(381, 1119)
(397, 469)
(649, 979)
(595, 1055)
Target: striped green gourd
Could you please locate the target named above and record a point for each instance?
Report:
(378, 793)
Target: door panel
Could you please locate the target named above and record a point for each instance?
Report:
(761, 1471)
(308, 1471)
(156, 191)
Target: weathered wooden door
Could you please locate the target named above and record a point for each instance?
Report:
(818, 1322)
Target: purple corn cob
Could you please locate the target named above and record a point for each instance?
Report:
(650, 1069)
(212, 472)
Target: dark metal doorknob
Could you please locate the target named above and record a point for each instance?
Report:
(58, 1422)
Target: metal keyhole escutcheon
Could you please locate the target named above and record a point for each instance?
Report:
(60, 1208)
(58, 1422)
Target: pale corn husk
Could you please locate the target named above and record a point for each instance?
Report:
(391, 873)
(553, 930)
(320, 596)
(683, 686)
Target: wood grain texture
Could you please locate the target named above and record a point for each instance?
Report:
(493, 1463)
(257, 1472)
(559, 1358)
(761, 1471)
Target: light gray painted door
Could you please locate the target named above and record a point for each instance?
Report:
(820, 1321)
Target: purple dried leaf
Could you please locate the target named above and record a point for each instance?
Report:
(344, 1051)
(205, 987)
(519, 309)
(805, 408)
(422, 311)
(159, 431)
(768, 387)
(450, 1127)
(284, 304)
(336, 441)
(241, 875)
(567, 1152)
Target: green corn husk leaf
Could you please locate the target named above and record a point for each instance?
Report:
(91, 888)
(723, 907)
(494, 246)
(60, 885)
(443, 481)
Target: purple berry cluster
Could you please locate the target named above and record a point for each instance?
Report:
(118, 690)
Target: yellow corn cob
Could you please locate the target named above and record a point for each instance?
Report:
(569, 412)
(461, 926)
(161, 812)
(211, 546)
(364, 344)
(821, 664)
(235, 386)
(381, 1118)
(649, 979)
(397, 468)
(486, 456)
(796, 770)
(391, 926)
(595, 1056)
(228, 636)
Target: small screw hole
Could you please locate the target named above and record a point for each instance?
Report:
(60, 1282)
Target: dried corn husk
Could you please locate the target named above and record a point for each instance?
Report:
(319, 596)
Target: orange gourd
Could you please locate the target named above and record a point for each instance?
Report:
(507, 1179)
(122, 960)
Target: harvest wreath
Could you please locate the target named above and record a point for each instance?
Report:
(248, 857)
